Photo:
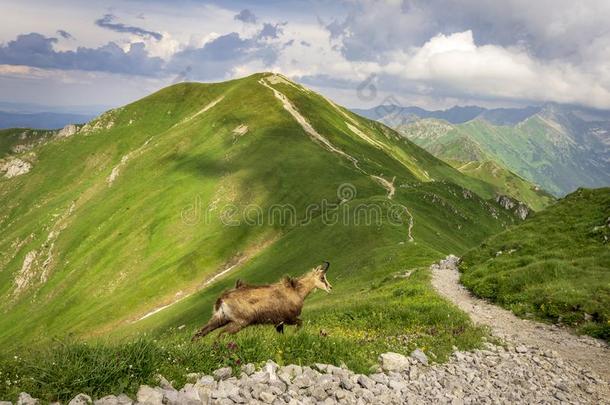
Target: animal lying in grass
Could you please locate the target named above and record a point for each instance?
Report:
(278, 304)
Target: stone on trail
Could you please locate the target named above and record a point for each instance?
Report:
(150, 396)
(80, 399)
(420, 356)
(394, 362)
(222, 373)
(193, 377)
(114, 400)
(26, 399)
(267, 397)
(248, 369)
(163, 383)
(365, 382)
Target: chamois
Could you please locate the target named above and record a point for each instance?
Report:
(275, 304)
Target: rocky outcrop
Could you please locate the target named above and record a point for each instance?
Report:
(519, 209)
(505, 202)
(522, 211)
(13, 167)
(67, 131)
(104, 121)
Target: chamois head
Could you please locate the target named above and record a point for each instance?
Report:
(319, 276)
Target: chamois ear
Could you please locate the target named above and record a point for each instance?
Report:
(324, 267)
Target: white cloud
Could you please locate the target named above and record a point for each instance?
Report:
(455, 63)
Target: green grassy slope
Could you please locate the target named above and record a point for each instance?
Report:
(192, 196)
(456, 146)
(510, 183)
(555, 265)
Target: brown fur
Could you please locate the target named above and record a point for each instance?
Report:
(277, 304)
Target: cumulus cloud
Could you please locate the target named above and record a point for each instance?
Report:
(515, 51)
(36, 50)
(547, 28)
(456, 64)
(220, 56)
(246, 16)
(108, 22)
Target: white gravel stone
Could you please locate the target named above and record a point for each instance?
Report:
(420, 356)
(26, 399)
(80, 399)
(394, 362)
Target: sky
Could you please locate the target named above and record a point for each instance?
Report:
(361, 53)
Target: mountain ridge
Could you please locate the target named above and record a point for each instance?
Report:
(558, 148)
(396, 114)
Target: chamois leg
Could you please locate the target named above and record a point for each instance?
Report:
(280, 326)
(296, 321)
(231, 328)
(214, 323)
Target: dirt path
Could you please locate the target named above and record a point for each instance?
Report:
(315, 135)
(387, 185)
(587, 352)
(391, 191)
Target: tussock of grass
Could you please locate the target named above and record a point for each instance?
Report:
(555, 266)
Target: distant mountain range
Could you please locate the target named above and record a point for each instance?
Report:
(395, 115)
(41, 120)
(558, 147)
(38, 116)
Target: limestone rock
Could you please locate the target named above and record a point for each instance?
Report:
(394, 362)
(80, 399)
(420, 356)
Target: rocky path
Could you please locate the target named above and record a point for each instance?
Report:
(583, 350)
